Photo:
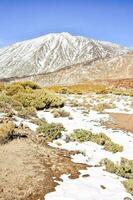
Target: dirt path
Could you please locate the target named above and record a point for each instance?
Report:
(27, 169)
(120, 121)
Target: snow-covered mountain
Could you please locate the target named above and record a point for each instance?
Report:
(53, 52)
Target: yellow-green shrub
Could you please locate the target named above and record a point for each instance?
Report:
(80, 88)
(38, 99)
(128, 184)
(81, 135)
(4, 100)
(123, 169)
(29, 84)
(26, 112)
(26, 97)
(51, 131)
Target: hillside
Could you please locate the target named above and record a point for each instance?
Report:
(53, 52)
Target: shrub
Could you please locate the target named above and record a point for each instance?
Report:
(29, 84)
(38, 99)
(124, 169)
(6, 132)
(4, 100)
(109, 165)
(26, 97)
(128, 184)
(13, 89)
(113, 147)
(101, 107)
(16, 105)
(80, 88)
(61, 113)
(81, 135)
(125, 92)
(50, 131)
(16, 87)
(27, 112)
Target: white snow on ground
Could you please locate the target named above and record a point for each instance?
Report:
(89, 188)
(19, 120)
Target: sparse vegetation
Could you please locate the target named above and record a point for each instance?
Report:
(79, 88)
(123, 169)
(81, 135)
(51, 131)
(87, 87)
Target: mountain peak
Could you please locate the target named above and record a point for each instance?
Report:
(53, 52)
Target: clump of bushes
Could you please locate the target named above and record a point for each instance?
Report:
(6, 131)
(102, 106)
(51, 131)
(80, 88)
(27, 112)
(123, 169)
(60, 113)
(91, 86)
(38, 99)
(125, 92)
(27, 97)
(81, 135)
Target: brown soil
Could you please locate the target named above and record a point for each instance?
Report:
(27, 169)
(120, 121)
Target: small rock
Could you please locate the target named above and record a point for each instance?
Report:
(127, 198)
(85, 175)
(103, 187)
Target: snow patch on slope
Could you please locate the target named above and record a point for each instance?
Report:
(52, 52)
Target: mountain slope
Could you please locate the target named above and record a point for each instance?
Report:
(53, 52)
